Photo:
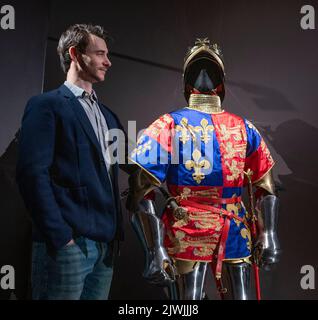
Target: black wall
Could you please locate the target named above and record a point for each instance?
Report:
(22, 59)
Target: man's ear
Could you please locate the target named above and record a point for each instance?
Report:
(72, 51)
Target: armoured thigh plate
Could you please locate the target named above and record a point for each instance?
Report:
(236, 281)
(189, 285)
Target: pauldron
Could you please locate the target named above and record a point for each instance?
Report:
(266, 183)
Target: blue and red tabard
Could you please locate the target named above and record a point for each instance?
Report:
(202, 157)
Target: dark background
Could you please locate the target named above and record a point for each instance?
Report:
(271, 69)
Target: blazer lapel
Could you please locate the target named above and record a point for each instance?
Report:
(81, 116)
(111, 124)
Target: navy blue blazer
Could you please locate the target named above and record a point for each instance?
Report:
(61, 172)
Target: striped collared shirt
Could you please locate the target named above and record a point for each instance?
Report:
(90, 105)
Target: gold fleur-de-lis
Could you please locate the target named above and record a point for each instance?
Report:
(234, 208)
(205, 129)
(247, 235)
(202, 41)
(197, 165)
(184, 138)
(141, 149)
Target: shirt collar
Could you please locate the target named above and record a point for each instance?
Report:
(79, 92)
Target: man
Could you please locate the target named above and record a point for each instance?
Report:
(66, 176)
(206, 155)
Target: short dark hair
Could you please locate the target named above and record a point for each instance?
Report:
(78, 36)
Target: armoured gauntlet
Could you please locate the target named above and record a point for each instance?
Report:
(159, 268)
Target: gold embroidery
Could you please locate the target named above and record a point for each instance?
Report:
(235, 169)
(230, 151)
(205, 129)
(184, 221)
(264, 148)
(197, 165)
(183, 128)
(180, 235)
(226, 133)
(266, 152)
(154, 132)
(198, 241)
(187, 192)
(167, 119)
(205, 103)
(246, 234)
(180, 223)
(203, 252)
(141, 149)
(203, 244)
(156, 127)
(233, 141)
(234, 207)
(204, 224)
(205, 220)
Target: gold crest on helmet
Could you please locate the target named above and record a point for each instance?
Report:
(203, 46)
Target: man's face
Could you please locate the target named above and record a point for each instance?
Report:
(94, 63)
